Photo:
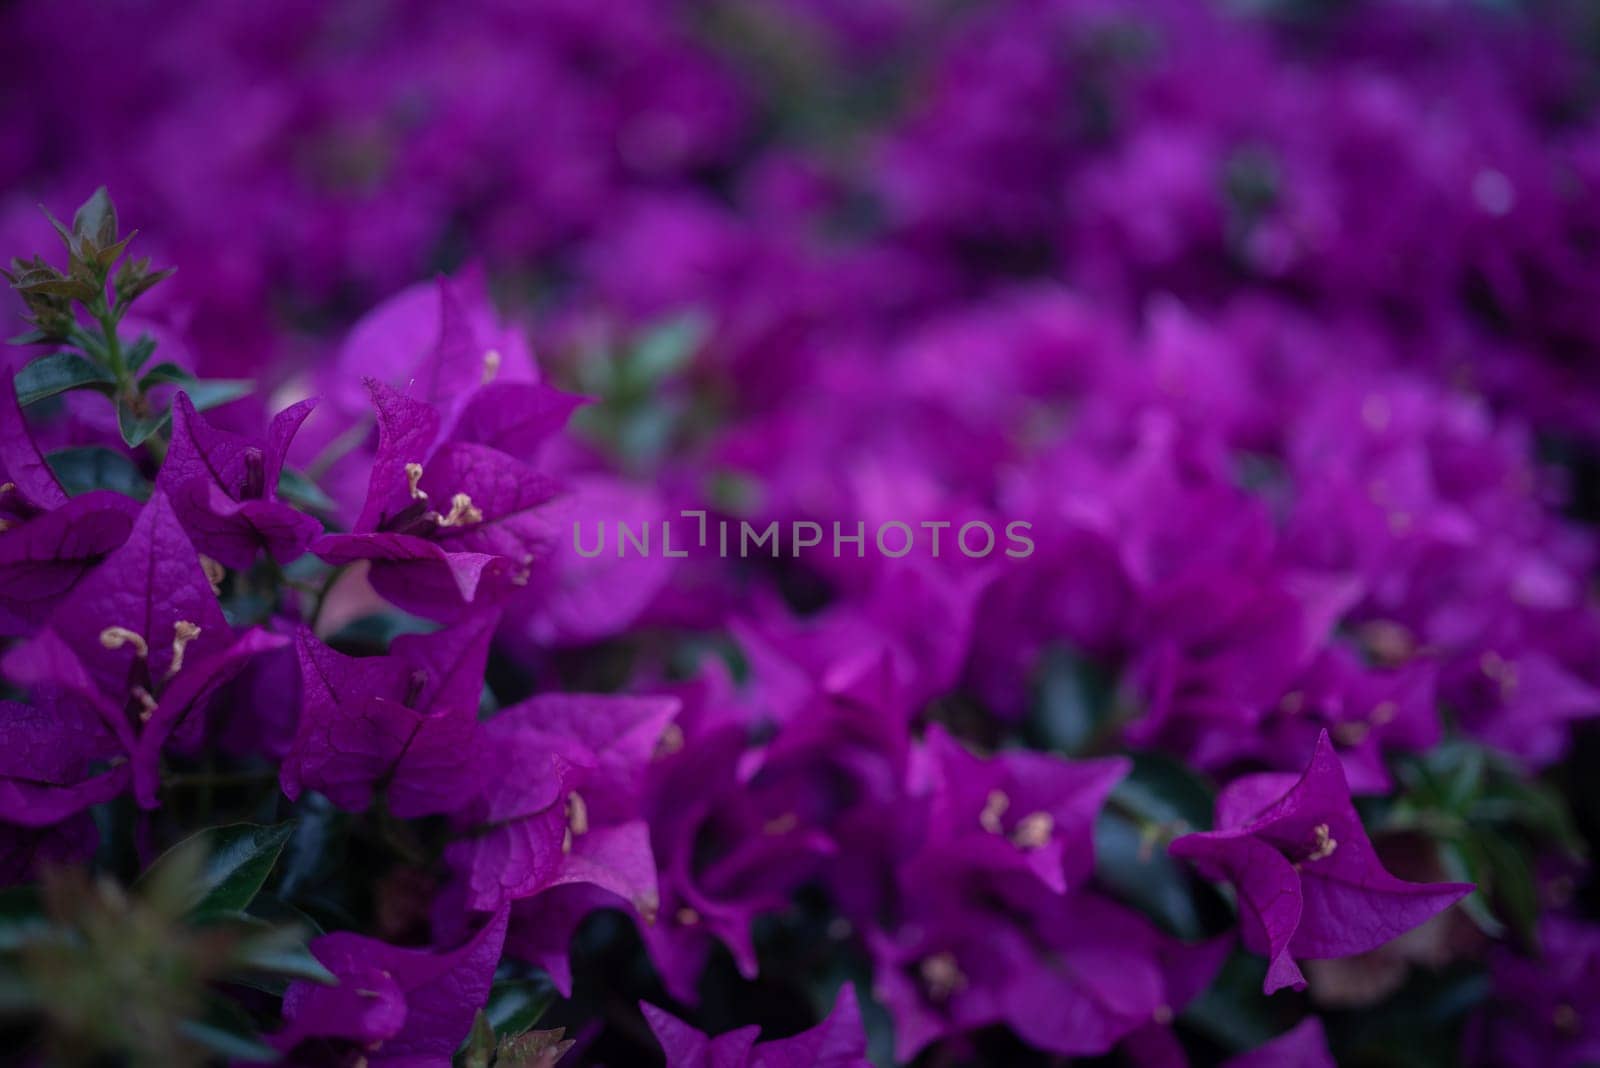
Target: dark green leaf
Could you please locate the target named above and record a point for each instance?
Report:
(477, 1050)
(1135, 865)
(139, 352)
(229, 1032)
(137, 420)
(238, 860)
(1231, 1010)
(97, 219)
(1163, 791)
(1511, 883)
(69, 238)
(92, 467)
(204, 392)
(137, 285)
(533, 1049)
(58, 373)
(300, 491)
(279, 951)
(22, 916)
(214, 392)
(1073, 700)
(166, 372)
(664, 351)
(516, 1005)
(1466, 865)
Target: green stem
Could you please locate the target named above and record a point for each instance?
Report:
(322, 597)
(107, 318)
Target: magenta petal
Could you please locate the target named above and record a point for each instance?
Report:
(839, 1041)
(1302, 1046)
(44, 558)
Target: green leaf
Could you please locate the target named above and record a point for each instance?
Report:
(239, 857)
(58, 373)
(92, 467)
(1231, 1010)
(137, 421)
(166, 372)
(203, 392)
(515, 1005)
(228, 1031)
(281, 952)
(1072, 701)
(22, 917)
(1161, 790)
(533, 1049)
(97, 219)
(1465, 865)
(139, 352)
(1512, 887)
(300, 491)
(214, 392)
(664, 351)
(1135, 865)
(477, 1051)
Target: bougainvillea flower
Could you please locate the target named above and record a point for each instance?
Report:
(32, 485)
(449, 522)
(56, 759)
(224, 487)
(141, 642)
(1074, 974)
(837, 1042)
(560, 800)
(1545, 1009)
(394, 1007)
(1187, 969)
(725, 853)
(441, 335)
(1309, 882)
(581, 598)
(48, 541)
(407, 722)
(1304, 1046)
(1017, 811)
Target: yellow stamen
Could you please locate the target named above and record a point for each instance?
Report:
(1033, 830)
(117, 637)
(942, 975)
(214, 572)
(183, 632)
(687, 917)
(994, 806)
(413, 477)
(781, 824)
(147, 703)
(1325, 843)
(491, 365)
(577, 813)
(671, 740)
(462, 512)
(1352, 732)
(1389, 642)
